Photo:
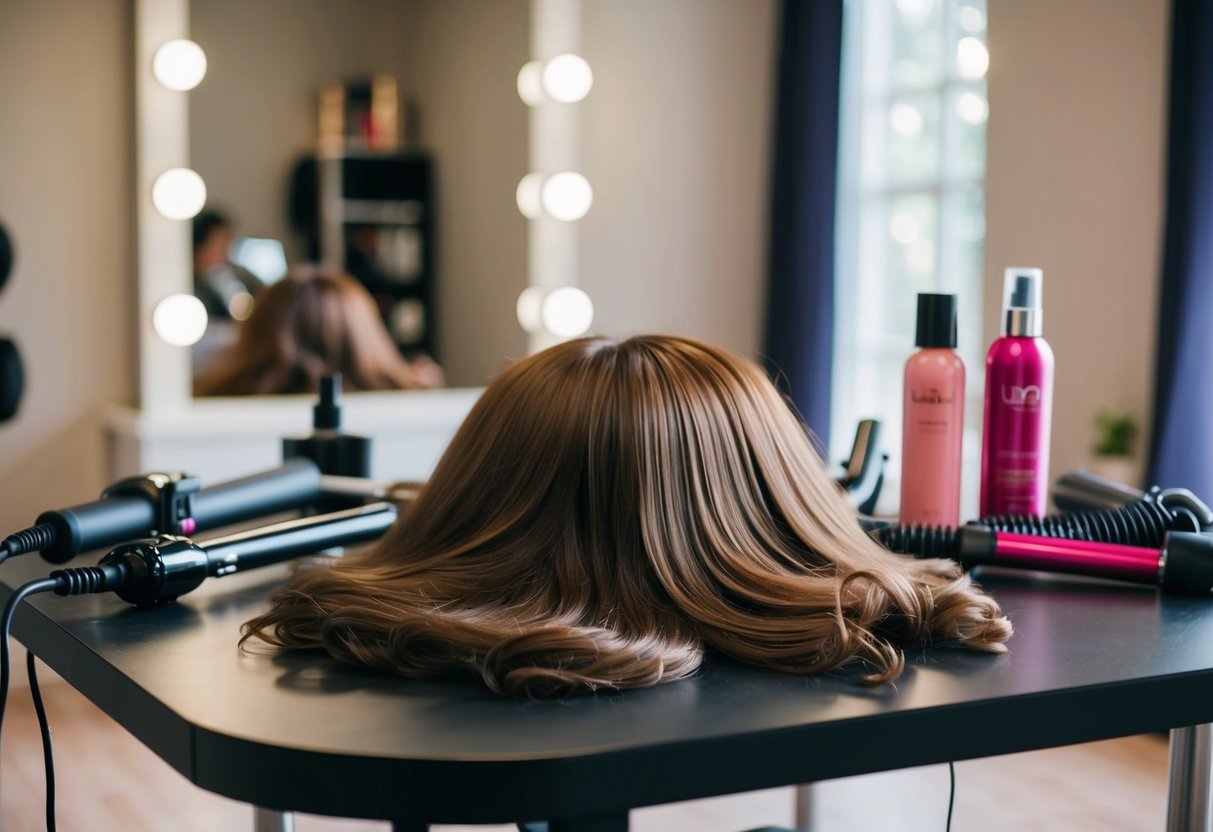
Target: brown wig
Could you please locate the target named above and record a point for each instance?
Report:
(312, 323)
(605, 512)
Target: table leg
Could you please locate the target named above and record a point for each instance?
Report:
(804, 806)
(611, 822)
(271, 820)
(1191, 769)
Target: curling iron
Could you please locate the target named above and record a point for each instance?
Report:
(1156, 539)
(164, 504)
(163, 568)
(1183, 563)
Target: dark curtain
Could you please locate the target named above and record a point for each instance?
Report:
(1182, 448)
(800, 296)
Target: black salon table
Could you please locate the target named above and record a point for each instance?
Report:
(295, 732)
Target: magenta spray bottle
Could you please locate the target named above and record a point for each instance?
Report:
(1019, 404)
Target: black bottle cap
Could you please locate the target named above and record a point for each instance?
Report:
(326, 415)
(936, 321)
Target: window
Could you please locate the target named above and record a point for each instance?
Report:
(911, 208)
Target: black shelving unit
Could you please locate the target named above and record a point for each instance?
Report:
(373, 215)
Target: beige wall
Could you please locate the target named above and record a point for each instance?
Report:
(1074, 185)
(255, 116)
(65, 173)
(468, 56)
(676, 142)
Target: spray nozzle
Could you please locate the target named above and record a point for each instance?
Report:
(326, 415)
(1021, 288)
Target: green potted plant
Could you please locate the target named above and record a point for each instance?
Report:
(1114, 457)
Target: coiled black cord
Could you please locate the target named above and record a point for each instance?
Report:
(34, 539)
(1143, 522)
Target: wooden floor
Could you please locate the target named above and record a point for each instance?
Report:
(108, 781)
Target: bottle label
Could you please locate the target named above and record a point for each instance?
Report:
(933, 414)
(1024, 399)
(932, 395)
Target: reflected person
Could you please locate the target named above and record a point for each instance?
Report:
(314, 322)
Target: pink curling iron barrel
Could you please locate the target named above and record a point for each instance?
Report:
(1184, 563)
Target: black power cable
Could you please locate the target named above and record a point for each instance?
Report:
(44, 728)
(951, 794)
(6, 623)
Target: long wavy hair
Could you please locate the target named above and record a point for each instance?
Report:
(605, 513)
(314, 322)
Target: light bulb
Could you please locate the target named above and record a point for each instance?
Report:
(179, 64)
(179, 193)
(528, 196)
(567, 312)
(180, 320)
(971, 19)
(972, 108)
(530, 83)
(972, 58)
(567, 196)
(529, 308)
(567, 78)
(915, 10)
(906, 119)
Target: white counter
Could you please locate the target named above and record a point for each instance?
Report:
(221, 438)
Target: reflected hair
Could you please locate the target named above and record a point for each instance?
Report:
(314, 322)
(608, 511)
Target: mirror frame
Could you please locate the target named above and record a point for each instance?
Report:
(163, 245)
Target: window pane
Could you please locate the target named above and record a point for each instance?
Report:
(911, 212)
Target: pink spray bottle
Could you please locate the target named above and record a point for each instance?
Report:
(1018, 404)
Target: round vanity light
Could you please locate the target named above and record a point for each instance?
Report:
(906, 119)
(567, 196)
(971, 19)
(179, 193)
(179, 64)
(972, 108)
(529, 308)
(903, 228)
(530, 83)
(529, 196)
(180, 320)
(567, 312)
(567, 78)
(972, 58)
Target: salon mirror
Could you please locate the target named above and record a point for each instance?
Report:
(673, 139)
(445, 259)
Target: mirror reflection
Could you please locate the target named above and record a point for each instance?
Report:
(383, 139)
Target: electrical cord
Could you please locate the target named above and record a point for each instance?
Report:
(951, 794)
(48, 752)
(6, 623)
(33, 539)
(64, 582)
